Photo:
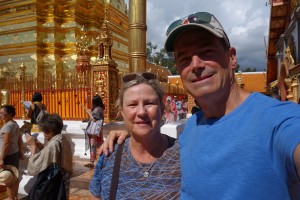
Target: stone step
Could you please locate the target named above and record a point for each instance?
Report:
(83, 173)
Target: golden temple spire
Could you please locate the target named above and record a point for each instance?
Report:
(105, 42)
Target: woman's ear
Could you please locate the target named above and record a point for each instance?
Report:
(232, 54)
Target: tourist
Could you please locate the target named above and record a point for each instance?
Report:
(150, 167)
(35, 107)
(12, 145)
(94, 130)
(241, 145)
(184, 108)
(196, 108)
(168, 113)
(57, 149)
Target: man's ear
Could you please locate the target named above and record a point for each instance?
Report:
(232, 54)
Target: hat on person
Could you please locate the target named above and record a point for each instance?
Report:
(169, 98)
(8, 175)
(203, 20)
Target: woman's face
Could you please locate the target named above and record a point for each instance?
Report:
(141, 110)
(4, 115)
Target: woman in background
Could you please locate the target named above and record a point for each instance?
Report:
(94, 140)
(12, 145)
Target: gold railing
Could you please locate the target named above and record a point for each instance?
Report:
(64, 95)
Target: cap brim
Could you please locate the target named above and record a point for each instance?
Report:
(171, 38)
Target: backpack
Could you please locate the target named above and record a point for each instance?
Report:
(38, 114)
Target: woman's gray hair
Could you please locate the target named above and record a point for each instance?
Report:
(154, 83)
(51, 123)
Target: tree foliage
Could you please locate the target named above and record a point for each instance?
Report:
(247, 69)
(161, 57)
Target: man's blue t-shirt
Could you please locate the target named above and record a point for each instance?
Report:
(247, 154)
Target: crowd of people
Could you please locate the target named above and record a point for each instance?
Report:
(175, 109)
(216, 156)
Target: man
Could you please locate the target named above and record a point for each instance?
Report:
(240, 145)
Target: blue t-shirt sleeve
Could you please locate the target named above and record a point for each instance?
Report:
(95, 185)
(286, 133)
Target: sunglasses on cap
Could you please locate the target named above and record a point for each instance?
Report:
(134, 76)
(201, 19)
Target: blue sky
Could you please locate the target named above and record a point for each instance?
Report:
(245, 22)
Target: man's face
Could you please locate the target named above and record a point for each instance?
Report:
(202, 62)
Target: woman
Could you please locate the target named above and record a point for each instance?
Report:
(168, 115)
(12, 145)
(35, 107)
(94, 138)
(57, 149)
(150, 167)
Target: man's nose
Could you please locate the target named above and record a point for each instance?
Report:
(197, 63)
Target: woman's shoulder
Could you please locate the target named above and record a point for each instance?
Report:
(55, 142)
(9, 126)
(173, 145)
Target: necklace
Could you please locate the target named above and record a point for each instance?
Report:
(147, 172)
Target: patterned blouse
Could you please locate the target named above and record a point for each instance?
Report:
(164, 181)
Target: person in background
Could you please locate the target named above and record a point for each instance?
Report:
(168, 113)
(174, 108)
(35, 107)
(184, 108)
(150, 167)
(57, 149)
(93, 141)
(196, 108)
(12, 146)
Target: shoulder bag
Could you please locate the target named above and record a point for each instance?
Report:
(115, 176)
(49, 184)
(94, 127)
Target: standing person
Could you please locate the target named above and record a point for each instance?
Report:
(57, 149)
(174, 108)
(150, 167)
(12, 145)
(184, 108)
(196, 108)
(95, 138)
(241, 145)
(35, 107)
(168, 114)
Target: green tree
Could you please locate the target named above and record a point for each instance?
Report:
(161, 57)
(150, 49)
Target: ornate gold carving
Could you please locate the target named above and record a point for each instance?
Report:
(83, 64)
(4, 97)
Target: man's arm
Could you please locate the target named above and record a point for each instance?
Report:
(297, 159)
(114, 136)
(92, 197)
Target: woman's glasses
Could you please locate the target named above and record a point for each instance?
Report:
(133, 76)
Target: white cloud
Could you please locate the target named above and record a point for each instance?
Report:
(246, 23)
